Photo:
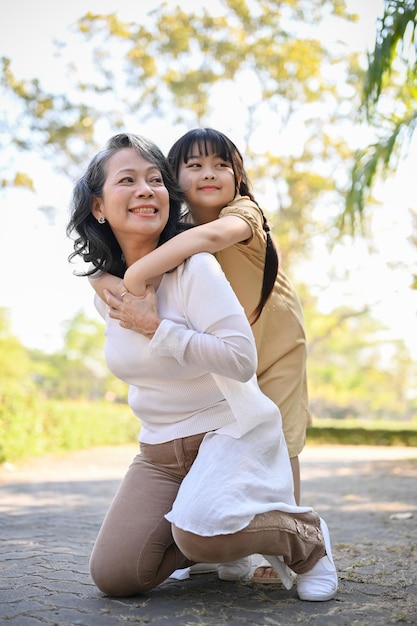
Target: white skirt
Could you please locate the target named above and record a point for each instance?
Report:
(235, 477)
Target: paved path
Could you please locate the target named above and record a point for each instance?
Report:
(51, 509)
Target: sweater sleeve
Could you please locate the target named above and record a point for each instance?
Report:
(217, 337)
(101, 306)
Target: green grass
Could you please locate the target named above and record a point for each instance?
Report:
(363, 432)
(31, 427)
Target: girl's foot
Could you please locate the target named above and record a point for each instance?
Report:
(265, 574)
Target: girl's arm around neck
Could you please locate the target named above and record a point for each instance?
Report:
(211, 237)
(103, 281)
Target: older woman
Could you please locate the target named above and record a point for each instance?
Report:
(210, 483)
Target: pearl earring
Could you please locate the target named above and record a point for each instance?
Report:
(101, 219)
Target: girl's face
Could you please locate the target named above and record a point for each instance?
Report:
(208, 183)
(135, 201)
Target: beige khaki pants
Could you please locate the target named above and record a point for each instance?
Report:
(135, 550)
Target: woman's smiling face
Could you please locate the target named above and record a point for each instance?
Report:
(135, 201)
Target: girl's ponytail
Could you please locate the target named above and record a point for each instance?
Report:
(270, 271)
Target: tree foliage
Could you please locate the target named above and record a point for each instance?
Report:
(353, 370)
(263, 60)
(79, 369)
(389, 101)
(395, 38)
(15, 366)
(44, 123)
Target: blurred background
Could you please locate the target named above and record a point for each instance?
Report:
(319, 96)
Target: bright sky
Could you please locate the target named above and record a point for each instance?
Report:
(37, 282)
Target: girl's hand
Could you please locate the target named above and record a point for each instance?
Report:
(138, 313)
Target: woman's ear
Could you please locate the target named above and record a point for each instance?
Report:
(96, 208)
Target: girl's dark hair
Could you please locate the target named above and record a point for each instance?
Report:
(210, 141)
(95, 243)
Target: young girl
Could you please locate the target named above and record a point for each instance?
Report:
(230, 223)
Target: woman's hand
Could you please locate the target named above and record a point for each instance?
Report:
(138, 313)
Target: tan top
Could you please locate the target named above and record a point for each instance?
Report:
(279, 332)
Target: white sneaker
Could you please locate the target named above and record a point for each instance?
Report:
(203, 568)
(198, 568)
(235, 570)
(320, 583)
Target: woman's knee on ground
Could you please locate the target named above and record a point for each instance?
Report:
(118, 578)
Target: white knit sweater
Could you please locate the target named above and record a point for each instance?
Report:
(204, 332)
(197, 374)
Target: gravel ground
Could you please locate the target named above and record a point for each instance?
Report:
(51, 509)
